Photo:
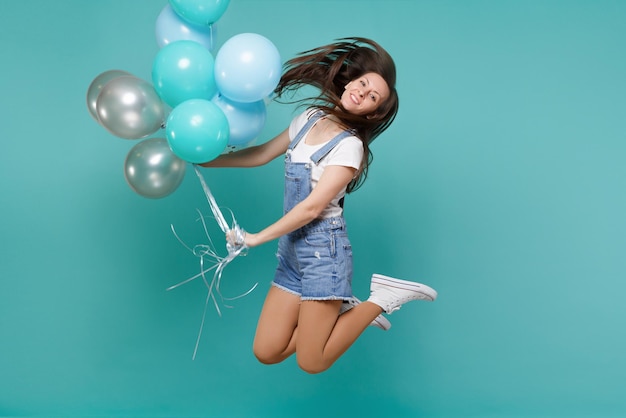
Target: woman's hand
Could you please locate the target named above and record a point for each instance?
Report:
(235, 238)
(251, 240)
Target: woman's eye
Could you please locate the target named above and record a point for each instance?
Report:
(363, 83)
(373, 97)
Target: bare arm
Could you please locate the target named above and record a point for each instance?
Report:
(330, 184)
(253, 156)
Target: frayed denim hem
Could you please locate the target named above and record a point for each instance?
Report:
(322, 298)
(305, 298)
(283, 288)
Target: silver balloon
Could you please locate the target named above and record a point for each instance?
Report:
(96, 86)
(152, 170)
(130, 108)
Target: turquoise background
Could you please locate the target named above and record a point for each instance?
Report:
(501, 184)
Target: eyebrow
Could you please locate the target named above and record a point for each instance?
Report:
(368, 83)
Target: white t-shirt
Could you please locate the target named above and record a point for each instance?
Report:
(348, 152)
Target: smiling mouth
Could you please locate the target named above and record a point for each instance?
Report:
(355, 100)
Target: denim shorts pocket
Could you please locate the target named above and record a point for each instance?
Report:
(321, 239)
(344, 256)
(344, 242)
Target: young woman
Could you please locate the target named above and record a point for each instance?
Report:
(309, 309)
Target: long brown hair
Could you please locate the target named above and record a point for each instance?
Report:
(330, 68)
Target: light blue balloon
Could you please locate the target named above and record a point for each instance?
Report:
(197, 131)
(200, 12)
(247, 68)
(184, 70)
(170, 27)
(245, 120)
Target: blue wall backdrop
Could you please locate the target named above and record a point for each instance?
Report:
(501, 184)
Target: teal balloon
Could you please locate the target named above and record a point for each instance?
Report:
(245, 120)
(184, 70)
(197, 131)
(170, 27)
(200, 12)
(247, 68)
(152, 170)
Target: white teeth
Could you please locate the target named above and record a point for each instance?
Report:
(354, 99)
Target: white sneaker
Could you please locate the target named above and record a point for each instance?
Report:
(380, 321)
(390, 293)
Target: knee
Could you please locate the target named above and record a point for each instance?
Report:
(312, 367)
(265, 355)
(266, 358)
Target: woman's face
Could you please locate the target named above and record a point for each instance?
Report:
(363, 95)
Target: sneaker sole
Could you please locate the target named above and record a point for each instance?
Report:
(380, 321)
(426, 292)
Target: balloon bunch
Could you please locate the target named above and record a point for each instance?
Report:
(206, 105)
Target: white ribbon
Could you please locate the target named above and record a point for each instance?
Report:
(207, 254)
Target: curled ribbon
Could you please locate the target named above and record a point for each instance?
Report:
(208, 256)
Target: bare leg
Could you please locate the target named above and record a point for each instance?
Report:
(316, 332)
(323, 336)
(275, 338)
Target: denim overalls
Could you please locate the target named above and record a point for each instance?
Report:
(315, 261)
